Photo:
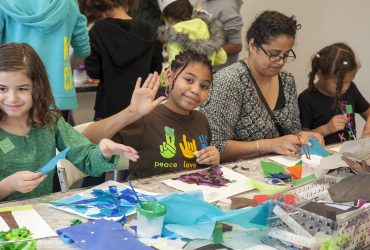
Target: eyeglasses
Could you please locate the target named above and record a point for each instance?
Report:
(276, 58)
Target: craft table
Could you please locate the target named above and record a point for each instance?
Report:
(58, 219)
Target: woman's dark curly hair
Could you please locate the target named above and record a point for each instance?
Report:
(94, 9)
(271, 24)
(333, 60)
(22, 57)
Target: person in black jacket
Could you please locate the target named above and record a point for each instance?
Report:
(122, 49)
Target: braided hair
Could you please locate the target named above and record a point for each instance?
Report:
(333, 60)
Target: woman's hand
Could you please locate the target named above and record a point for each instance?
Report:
(285, 145)
(110, 148)
(142, 100)
(23, 181)
(306, 135)
(209, 156)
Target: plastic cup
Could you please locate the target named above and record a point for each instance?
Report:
(150, 219)
(312, 166)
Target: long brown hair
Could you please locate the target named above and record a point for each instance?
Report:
(22, 57)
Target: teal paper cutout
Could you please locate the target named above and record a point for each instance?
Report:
(6, 145)
(50, 165)
(315, 149)
(188, 210)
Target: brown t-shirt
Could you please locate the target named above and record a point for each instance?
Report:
(166, 141)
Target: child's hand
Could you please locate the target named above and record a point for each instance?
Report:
(142, 100)
(109, 148)
(24, 181)
(209, 156)
(336, 123)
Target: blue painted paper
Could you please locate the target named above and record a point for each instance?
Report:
(315, 149)
(50, 165)
(102, 234)
(111, 203)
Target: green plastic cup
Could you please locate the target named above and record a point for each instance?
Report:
(150, 219)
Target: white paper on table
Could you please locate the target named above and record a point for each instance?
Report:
(93, 210)
(357, 150)
(284, 160)
(335, 149)
(212, 194)
(27, 216)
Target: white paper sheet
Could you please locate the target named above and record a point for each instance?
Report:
(27, 216)
(212, 194)
(357, 150)
(284, 160)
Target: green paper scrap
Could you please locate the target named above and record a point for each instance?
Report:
(269, 168)
(6, 145)
(304, 179)
(349, 109)
(298, 163)
(265, 188)
(217, 236)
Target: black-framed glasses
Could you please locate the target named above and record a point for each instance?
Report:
(277, 58)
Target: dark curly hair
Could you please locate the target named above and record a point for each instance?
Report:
(94, 9)
(183, 59)
(180, 10)
(333, 60)
(271, 24)
(22, 57)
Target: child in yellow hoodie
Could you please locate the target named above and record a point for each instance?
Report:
(185, 31)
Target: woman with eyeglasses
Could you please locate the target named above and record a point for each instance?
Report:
(252, 107)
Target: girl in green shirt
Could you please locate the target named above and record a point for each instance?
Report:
(31, 129)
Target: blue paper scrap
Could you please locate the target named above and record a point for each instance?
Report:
(50, 165)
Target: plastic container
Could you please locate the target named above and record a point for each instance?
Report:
(150, 219)
(312, 166)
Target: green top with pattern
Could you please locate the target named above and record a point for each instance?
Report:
(32, 151)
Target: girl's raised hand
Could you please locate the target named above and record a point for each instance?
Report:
(24, 181)
(209, 156)
(142, 100)
(110, 148)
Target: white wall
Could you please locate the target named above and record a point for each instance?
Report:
(323, 22)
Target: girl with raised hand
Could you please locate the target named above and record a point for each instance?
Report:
(174, 136)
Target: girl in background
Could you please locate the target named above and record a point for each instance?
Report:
(328, 105)
(174, 136)
(31, 129)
